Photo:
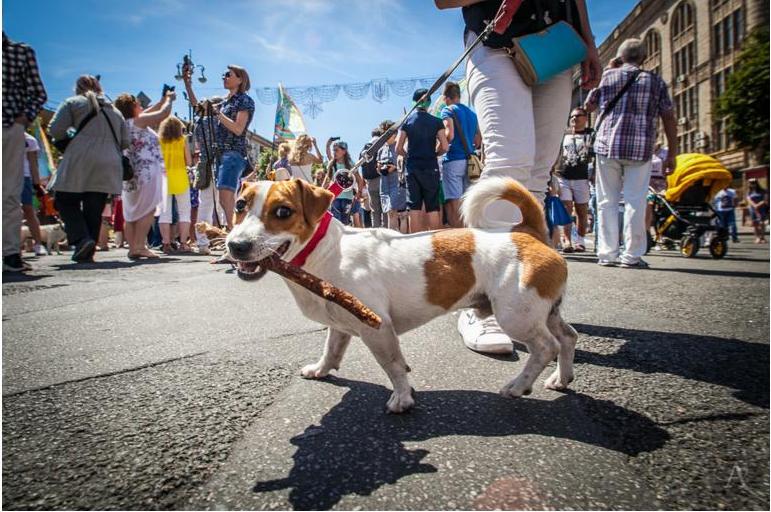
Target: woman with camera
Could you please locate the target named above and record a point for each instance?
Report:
(391, 200)
(90, 170)
(347, 204)
(233, 117)
(144, 192)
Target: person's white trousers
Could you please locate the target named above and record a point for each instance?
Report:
(206, 212)
(614, 177)
(521, 126)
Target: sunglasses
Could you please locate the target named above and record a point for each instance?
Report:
(577, 115)
(341, 145)
(227, 74)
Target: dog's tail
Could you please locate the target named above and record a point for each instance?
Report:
(488, 190)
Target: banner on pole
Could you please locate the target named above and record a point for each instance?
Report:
(289, 119)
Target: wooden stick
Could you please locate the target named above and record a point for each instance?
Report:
(323, 289)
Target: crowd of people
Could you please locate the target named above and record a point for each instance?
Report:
(154, 177)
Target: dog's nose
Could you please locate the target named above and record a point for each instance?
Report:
(239, 248)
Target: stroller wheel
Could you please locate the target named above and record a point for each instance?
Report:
(689, 246)
(718, 247)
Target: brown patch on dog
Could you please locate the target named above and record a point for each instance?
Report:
(542, 267)
(307, 202)
(248, 193)
(449, 273)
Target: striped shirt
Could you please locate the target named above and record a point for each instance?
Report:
(23, 91)
(628, 132)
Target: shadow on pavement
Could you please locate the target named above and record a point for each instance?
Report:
(707, 272)
(356, 449)
(21, 277)
(731, 363)
(107, 265)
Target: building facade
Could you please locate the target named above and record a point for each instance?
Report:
(692, 45)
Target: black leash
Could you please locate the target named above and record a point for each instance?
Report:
(369, 154)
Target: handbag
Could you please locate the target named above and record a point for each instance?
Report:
(610, 106)
(542, 55)
(473, 164)
(128, 170)
(61, 144)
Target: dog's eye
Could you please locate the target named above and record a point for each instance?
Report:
(240, 205)
(283, 212)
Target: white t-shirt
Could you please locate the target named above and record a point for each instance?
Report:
(30, 145)
(725, 200)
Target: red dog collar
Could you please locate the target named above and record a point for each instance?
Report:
(306, 251)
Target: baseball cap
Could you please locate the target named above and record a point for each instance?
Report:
(419, 94)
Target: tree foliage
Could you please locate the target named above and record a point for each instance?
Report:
(745, 101)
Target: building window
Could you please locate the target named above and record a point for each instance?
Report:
(652, 44)
(728, 33)
(682, 20)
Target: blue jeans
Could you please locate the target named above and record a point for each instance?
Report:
(341, 210)
(728, 220)
(232, 165)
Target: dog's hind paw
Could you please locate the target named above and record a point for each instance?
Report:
(555, 382)
(400, 403)
(314, 371)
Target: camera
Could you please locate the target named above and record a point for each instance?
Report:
(167, 88)
(382, 167)
(334, 138)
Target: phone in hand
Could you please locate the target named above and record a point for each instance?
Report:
(167, 88)
(334, 138)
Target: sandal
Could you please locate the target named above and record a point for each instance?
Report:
(580, 248)
(568, 249)
(167, 249)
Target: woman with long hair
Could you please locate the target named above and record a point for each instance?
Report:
(347, 204)
(301, 159)
(144, 192)
(757, 198)
(233, 118)
(176, 157)
(90, 170)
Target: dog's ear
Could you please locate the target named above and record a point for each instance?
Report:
(315, 200)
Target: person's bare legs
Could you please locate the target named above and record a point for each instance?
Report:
(137, 240)
(434, 220)
(32, 222)
(165, 228)
(416, 221)
(582, 219)
(393, 220)
(453, 213)
(228, 201)
(567, 229)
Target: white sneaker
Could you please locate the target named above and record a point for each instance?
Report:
(39, 250)
(483, 334)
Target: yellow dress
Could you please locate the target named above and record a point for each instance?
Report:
(176, 171)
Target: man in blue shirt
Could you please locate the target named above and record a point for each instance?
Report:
(455, 179)
(426, 140)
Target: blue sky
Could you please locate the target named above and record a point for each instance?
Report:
(135, 46)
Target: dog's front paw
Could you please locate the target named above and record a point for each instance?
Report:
(555, 382)
(401, 402)
(515, 389)
(314, 371)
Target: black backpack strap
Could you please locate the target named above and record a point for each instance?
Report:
(459, 129)
(612, 103)
(114, 137)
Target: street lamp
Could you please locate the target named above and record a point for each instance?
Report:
(187, 63)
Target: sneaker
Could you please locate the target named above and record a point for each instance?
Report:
(83, 251)
(39, 250)
(14, 263)
(639, 264)
(483, 334)
(606, 263)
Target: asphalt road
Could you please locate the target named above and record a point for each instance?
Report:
(174, 385)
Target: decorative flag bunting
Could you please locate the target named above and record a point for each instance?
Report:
(289, 119)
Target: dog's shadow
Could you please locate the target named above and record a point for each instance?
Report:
(356, 450)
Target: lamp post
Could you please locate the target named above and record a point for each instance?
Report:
(188, 64)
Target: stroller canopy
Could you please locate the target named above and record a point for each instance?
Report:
(691, 168)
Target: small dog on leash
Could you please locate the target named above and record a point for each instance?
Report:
(508, 271)
(51, 235)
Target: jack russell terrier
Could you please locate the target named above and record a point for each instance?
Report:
(408, 280)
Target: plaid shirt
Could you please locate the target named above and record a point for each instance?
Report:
(629, 131)
(23, 91)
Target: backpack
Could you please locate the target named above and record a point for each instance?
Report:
(369, 169)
